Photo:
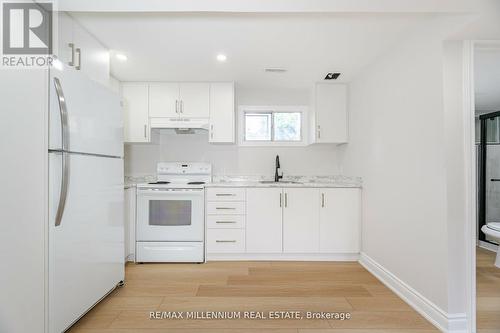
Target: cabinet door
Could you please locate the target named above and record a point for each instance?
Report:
(221, 112)
(300, 220)
(164, 100)
(93, 57)
(331, 113)
(129, 222)
(135, 107)
(340, 219)
(263, 225)
(64, 38)
(195, 99)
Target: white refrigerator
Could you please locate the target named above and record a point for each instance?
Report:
(67, 251)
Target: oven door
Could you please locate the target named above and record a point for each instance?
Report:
(175, 215)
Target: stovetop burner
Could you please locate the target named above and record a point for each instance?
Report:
(159, 183)
(196, 183)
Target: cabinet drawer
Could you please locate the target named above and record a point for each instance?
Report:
(226, 208)
(226, 194)
(225, 240)
(226, 221)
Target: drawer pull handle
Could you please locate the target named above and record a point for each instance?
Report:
(225, 208)
(225, 195)
(225, 241)
(225, 221)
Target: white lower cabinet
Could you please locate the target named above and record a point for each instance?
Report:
(226, 241)
(271, 223)
(263, 222)
(339, 220)
(301, 220)
(130, 200)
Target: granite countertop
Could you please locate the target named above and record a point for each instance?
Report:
(256, 181)
(131, 181)
(290, 181)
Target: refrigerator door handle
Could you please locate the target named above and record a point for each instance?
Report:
(65, 155)
(64, 114)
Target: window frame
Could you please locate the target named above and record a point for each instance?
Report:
(243, 109)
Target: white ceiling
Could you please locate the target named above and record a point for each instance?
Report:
(487, 78)
(183, 46)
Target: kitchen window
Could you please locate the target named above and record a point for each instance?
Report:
(261, 126)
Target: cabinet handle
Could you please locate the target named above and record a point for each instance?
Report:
(225, 222)
(225, 241)
(323, 200)
(225, 208)
(280, 200)
(319, 132)
(211, 131)
(79, 53)
(225, 194)
(286, 200)
(182, 106)
(176, 106)
(145, 130)
(72, 62)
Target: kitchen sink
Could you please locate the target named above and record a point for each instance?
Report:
(280, 182)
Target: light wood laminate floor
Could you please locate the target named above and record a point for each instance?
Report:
(488, 292)
(252, 286)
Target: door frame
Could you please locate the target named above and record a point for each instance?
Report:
(468, 102)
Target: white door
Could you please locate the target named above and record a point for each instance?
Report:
(331, 113)
(92, 57)
(86, 250)
(135, 110)
(170, 215)
(301, 220)
(221, 112)
(164, 100)
(263, 225)
(195, 99)
(94, 114)
(340, 220)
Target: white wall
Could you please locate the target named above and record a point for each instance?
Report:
(455, 173)
(397, 144)
(232, 159)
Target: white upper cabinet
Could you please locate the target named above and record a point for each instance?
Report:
(221, 127)
(92, 57)
(170, 104)
(136, 116)
(65, 38)
(300, 220)
(164, 100)
(340, 220)
(329, 114)
(263, 220)
(79, 50)
(184, 100)
(194, 99)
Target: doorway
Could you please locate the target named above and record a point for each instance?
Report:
(486, 69)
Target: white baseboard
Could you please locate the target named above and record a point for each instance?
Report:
(445, 322)
(283, 256)
(488, 246)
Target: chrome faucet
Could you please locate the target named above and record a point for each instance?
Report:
(277, 176)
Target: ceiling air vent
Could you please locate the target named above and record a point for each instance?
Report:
(275, 70)
(332, 76)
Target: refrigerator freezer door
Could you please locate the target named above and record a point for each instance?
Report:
(86, 258)
(94, 115)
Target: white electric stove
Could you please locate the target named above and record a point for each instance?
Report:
(170, 214)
